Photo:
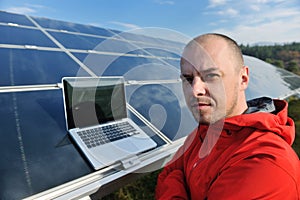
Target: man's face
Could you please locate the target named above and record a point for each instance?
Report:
(210, 81)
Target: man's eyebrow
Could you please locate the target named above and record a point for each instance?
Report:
(209, 70)
(212, 69)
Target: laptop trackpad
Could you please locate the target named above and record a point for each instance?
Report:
(127, 145)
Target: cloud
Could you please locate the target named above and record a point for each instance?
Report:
(255, 7)
(228, 12)
(215, 3)
(25, 9)
(278, 31)
(269, 1)
(271, 15)
(124, 25)
(21, 10)
(258, 21)
(165, 2)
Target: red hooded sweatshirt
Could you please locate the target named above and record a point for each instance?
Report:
(243, 157)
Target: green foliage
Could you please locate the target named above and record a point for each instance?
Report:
(292, 66)
(277, 63)
(294, 113)
(285, 56)
(143, 188)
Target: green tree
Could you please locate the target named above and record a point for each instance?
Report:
(278, 63)
(292, 66)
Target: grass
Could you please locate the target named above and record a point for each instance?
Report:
(144, 188)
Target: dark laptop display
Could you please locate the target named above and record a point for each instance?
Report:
(90, 105)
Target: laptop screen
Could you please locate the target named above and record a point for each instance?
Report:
(92, 101)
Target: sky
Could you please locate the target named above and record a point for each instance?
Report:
(246, 21)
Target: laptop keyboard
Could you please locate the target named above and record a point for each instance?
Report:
(102, 135)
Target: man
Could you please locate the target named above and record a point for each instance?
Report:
(240, 150)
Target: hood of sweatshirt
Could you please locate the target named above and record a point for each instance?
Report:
(265, 114)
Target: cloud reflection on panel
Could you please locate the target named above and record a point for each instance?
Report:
(119, 54)
(268, 80)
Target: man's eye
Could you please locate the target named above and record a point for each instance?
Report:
(211, 77)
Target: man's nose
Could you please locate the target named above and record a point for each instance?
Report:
(199, 87)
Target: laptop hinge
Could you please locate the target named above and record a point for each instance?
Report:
(130, 162)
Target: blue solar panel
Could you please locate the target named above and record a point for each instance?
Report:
(82, 42)
(260, 75)
(24, 36)
(15, 19)
(146, 39)
(35, 143)
(156, 52)
(37, 152)
(72, 27)
(29, 67)
(132, 67)
(163, 105)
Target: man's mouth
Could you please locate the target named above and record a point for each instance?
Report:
(201, 105)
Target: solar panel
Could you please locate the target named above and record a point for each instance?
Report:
(282, 85)
(82, 42)
(13, 19)
(30, 67)
(72, 27)
(126, 65)
(164, 106)
(37, 52)
(24, 36)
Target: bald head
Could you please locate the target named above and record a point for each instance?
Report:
(232, 48)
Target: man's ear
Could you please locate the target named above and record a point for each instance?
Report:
(244, 77)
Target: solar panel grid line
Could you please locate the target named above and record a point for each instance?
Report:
(123, 54)
(17, 25)
(76, 33)
(19, 135)
(146, 82)
(149, 124)
(27, 88)
(82, 65)
(27, 46)
(21, 144)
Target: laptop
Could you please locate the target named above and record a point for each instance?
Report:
(97, 120)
